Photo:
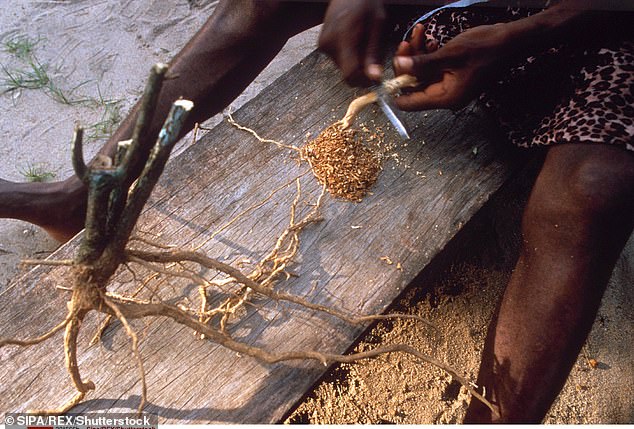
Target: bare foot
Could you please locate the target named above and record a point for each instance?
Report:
(59, 207)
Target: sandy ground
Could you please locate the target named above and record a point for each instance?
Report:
(460, 300)
(97, 54)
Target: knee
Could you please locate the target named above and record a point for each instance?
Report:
(585, 195)
(602, 188)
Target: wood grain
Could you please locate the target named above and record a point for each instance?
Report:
(417, 206)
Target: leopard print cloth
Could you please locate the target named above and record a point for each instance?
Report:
(566, 94)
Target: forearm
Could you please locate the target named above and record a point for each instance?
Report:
(580, 21)
(211, 74)
(220, 61)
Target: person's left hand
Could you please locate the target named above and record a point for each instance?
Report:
(451, 76)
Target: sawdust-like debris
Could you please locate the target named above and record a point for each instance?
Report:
(342, 162)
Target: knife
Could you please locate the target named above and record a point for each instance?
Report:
(386, 104)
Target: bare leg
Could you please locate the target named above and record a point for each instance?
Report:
(229, 51)
(578, 218)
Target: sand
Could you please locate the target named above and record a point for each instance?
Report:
(97, 54)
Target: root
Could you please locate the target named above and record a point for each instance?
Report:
(52, 263)
(392, 86)
(36, 340)
(113, 210)
(135, 310)
(355, 107)
(255, 134)
(135, 348)
(70, 352)
(105, 322)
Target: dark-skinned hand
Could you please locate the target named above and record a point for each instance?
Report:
(351, 36)
(451, 76)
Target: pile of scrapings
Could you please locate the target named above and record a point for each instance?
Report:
(342, 162)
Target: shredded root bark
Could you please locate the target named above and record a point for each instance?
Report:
(342, 162)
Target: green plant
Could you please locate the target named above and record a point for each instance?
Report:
(21, 46)
(110, 117)
(66, 96)
(34, 77)
(37, 173)
(109, 121)
(34, 74)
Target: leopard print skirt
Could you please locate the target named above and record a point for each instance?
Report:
(566, 94)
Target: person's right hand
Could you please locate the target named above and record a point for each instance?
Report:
(351, 36)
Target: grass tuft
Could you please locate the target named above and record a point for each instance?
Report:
(110, 118)
(37, 173)
(34, 74)
(21, 47)
(33, 77)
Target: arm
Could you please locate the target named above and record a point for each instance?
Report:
(220, 61)
(454, 74)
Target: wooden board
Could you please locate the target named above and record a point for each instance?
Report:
(425, 194)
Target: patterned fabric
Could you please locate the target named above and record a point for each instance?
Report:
(566, 94)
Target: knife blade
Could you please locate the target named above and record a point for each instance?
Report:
(387, 106)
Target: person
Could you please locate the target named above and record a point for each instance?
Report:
(560, 78)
